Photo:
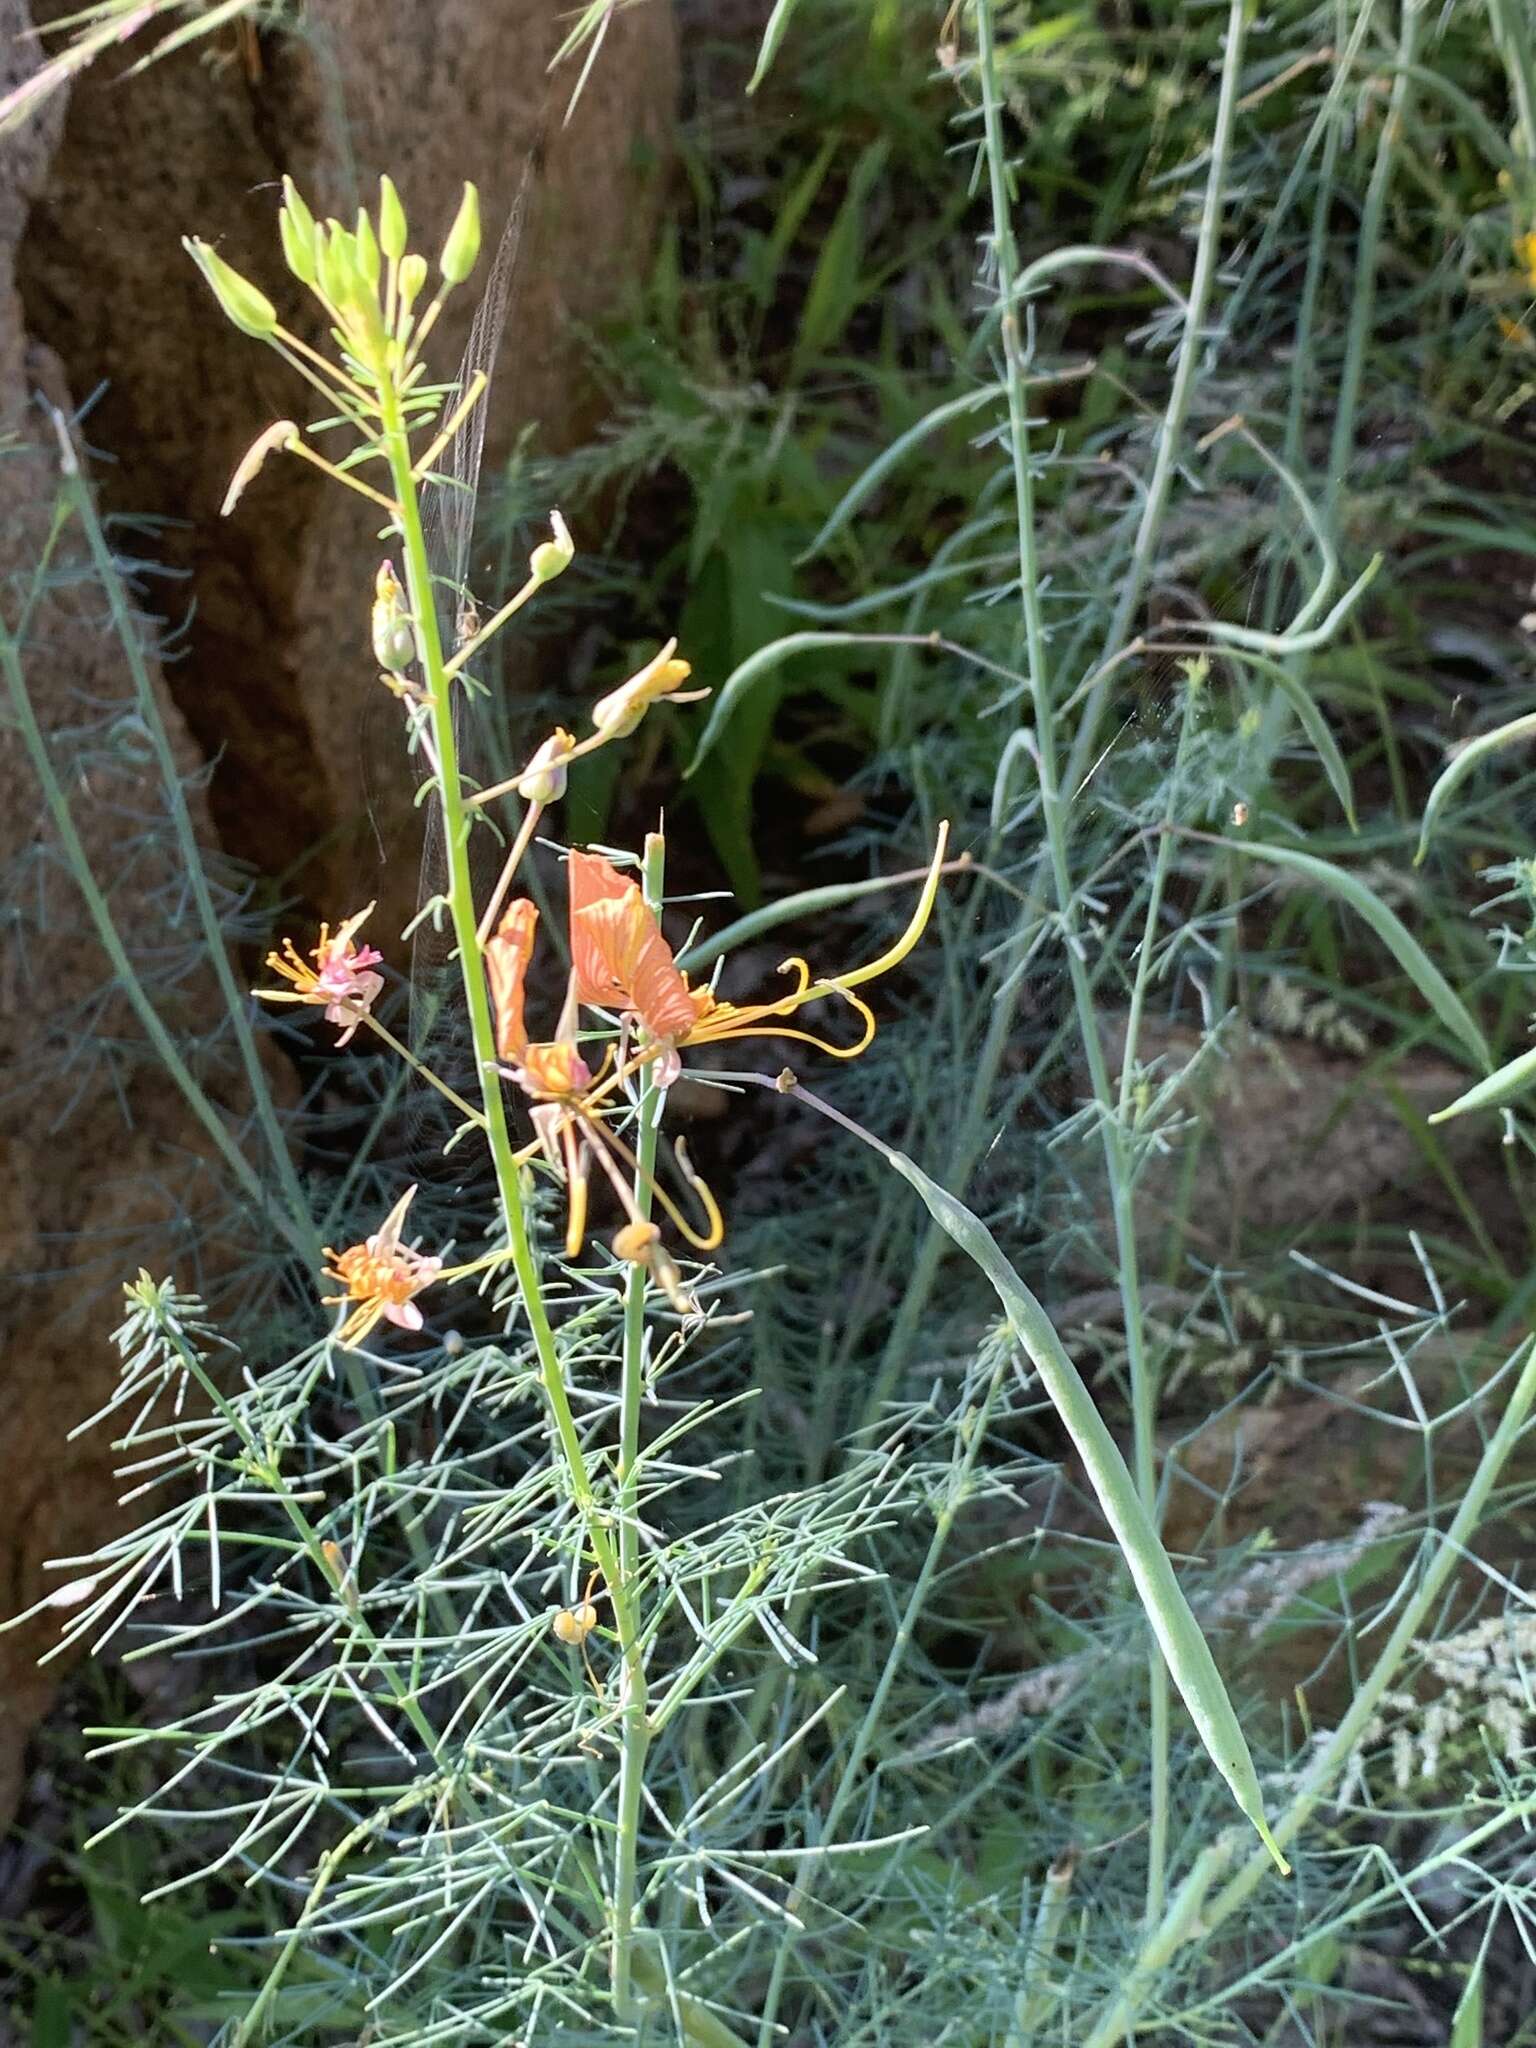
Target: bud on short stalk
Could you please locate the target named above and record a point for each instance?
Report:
(392, 227)
(552, 558)
(250, 310)
(462, 249)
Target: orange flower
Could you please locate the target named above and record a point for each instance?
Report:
(621, 961)
(383, 1276)
(618, 955)
(507, 953)
(567, 1109)
(341, 980)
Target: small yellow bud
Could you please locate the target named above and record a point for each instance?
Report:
(394, 637)
(617, 714)
(392, 227)
(281, 434)
(636, 1243)
(574, 1624)
(544, 780)
(462, 249)
(250, 310)
(551, 557)
(413, 275)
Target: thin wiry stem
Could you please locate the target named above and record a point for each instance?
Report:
(633, 1701)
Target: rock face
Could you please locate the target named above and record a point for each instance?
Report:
(277, 674)
(103, 1164)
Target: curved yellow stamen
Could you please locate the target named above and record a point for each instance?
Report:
(756, 1022)
(715, 1229)
(916, 926)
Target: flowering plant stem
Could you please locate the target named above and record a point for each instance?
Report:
(461, 908)
(635, 1727)
(615, 1561)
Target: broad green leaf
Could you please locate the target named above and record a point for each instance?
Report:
(790, 212)
(1460, 766)
(1388, 927)
(727, 615)
(837, 288)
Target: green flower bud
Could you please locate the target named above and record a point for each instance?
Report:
(392, 227)
(337, 272)
(250, 310)
(298, 249)
(303, 219)
(462, 249)
(413, 275)
(550, 557)
(394, 638)
(369, 262)
(296, 224)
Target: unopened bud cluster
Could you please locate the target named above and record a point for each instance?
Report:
(364, 276)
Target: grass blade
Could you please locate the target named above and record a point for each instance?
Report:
(1460, 766)
(1184, 1648)
(1388, 927)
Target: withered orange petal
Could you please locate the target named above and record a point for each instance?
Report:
(507, 953)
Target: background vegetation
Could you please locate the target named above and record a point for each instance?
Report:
(1157, 512)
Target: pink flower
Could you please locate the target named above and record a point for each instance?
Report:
(341, 981)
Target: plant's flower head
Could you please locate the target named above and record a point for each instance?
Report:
(618, 956)
(553, 1072)
(622, 962)
(1525, 256)
(622, 709)
(382, 1276)
(341, 981)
